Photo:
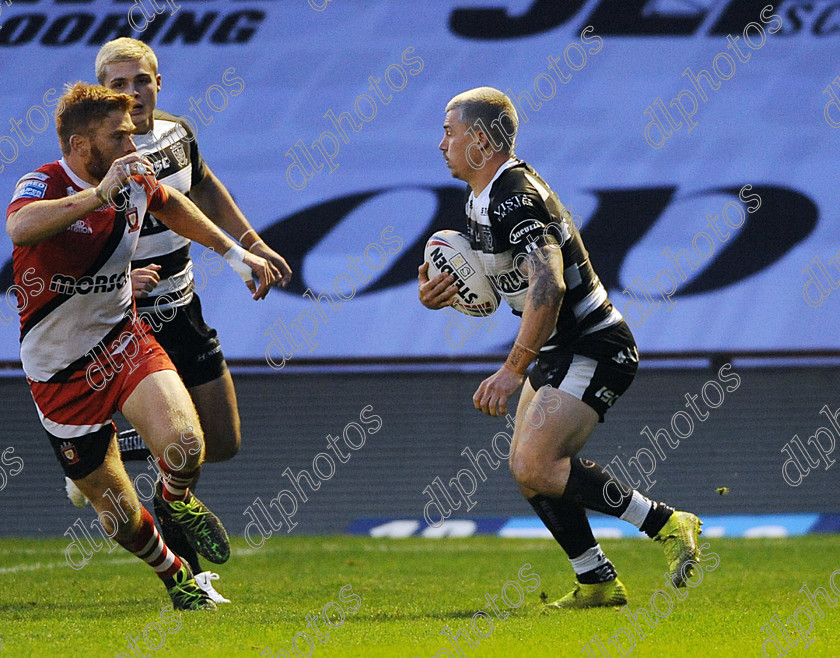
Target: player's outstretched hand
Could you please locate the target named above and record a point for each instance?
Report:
(266, 273)
(144, 280)
(438, 292)
(284, 271)
(121, 170)
(493, 393)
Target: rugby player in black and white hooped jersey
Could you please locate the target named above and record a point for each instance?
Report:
(584, 354)
(162, 272)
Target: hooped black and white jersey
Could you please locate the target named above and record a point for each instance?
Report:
(172, 149)
(515, 215)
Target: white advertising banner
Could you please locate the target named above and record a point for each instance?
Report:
(695, 142)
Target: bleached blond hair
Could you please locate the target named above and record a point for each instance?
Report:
(123, 49)
(494, 110)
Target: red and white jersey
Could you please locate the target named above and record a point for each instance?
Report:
(74, 287)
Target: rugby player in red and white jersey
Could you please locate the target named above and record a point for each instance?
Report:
(162, 271)
(584, 354)
(75, 224)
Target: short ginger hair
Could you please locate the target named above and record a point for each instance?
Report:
(82, 105)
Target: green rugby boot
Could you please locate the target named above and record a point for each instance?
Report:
(679, 536)
(609, 594)
(185, 592)
(201, 527)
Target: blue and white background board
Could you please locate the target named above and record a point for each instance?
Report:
(603, 527)
(323, 119)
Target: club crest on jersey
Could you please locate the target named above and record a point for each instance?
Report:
(133, 219)
(180, 154)
(481, 238)
(69, 452)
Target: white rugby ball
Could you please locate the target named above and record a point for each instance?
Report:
(450, 252)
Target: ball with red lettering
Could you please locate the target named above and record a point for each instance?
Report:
(450, 252)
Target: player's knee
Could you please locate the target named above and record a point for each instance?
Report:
(184, 451)
(529, 472)
(222, 448)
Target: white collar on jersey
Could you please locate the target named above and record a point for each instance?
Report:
(506, 165)
(78, 182)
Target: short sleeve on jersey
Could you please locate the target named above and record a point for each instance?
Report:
(158, 198)
(522, 223)
(35, 186)
(198, 167)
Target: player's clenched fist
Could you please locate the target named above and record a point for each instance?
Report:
(145, 279)
(438, 292)
(120, 171)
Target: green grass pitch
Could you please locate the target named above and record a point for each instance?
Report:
(404, 592)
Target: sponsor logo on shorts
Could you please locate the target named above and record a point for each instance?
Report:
(606, 396)
(206, 355)
(627, 355)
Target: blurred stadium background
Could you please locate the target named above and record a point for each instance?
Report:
(273, 88)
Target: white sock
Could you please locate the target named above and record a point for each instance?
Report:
(637, 510)
(590, 559)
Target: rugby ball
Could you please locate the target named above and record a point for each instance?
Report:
(450, 252)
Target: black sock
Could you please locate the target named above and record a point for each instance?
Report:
(590, 486)
(131, 446)
(567, 522)
(176, 540)
(656, 518)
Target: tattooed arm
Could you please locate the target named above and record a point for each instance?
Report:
(546, 289)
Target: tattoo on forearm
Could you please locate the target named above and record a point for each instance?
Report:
(518, 360)
(544, 289)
